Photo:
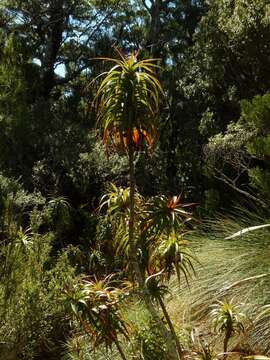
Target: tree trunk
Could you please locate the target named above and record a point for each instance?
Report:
(57, 19)
(155, 28)
(135, 263)
(152, 41)
(170, 324)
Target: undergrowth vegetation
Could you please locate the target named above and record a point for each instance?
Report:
(49, 310)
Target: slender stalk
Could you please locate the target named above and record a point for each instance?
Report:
(135, 263)
(225, 343)
(170, 324)
(120, 350)
(131, 240)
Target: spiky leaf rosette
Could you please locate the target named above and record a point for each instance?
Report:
(127, 102)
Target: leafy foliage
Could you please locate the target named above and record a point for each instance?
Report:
(227, 316)
(95, 304)
(127, 101)
(33, 319)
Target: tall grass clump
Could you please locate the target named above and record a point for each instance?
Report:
(230, 268)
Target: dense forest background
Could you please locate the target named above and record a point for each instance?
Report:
(213, 138)
(214, 55)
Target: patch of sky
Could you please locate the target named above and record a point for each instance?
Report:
(59, 68)
(37, 61)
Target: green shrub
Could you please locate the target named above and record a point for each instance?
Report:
(33, 320)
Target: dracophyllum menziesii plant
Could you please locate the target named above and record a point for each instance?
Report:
(96, 306)
(148, 233)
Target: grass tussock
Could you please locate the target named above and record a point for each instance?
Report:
(236, 269)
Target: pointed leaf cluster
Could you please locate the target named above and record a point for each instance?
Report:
(127, 102)
(160, 231)
(95, 303)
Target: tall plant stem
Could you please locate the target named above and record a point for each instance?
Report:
(135, 262)
(131, 240)
(228, 335)
(170, 324)
(120, 350)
